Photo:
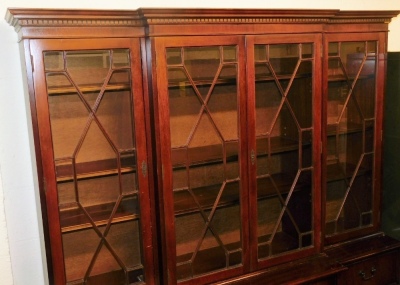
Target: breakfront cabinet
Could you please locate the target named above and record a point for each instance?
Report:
(199, 146)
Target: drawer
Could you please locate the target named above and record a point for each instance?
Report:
(378, 270)
(325, 281)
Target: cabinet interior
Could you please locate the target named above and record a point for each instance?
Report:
(91, 118)
(351, 120)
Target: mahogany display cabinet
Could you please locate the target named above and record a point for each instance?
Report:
(199, 146)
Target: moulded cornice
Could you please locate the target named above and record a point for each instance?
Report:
(36, 23)
(376, 16)
(27, 22)
(159, 16)
(61, 17)
(19, 17)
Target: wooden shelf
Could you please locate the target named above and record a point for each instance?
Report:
(73, 219)
(65, 90)
(338, 78)
(283, 182)
(182, 82)
(278, 145)
(282, 242)
(344, 128)
(202, 72)
(114, 277)
(184, 203)
(93, 169)
(332, 229)
(282, 76)
(210, 154)
(208, 260)
(203, 67)
(335, 171)
(204, 155)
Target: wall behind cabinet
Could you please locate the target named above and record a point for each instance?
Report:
(5, 262)
(25, 245)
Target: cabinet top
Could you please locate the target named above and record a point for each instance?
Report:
(41, 23)
(262, 15)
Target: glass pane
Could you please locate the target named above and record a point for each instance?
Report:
(350, 140)
(285, 222)
(91, 116)
(95, 63)
(54, 61)
(284, 131)
(229, 54)
(203, 96)
(307, 50)
(120, 58)
(283, 58)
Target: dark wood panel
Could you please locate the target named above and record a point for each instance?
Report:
(391, 177)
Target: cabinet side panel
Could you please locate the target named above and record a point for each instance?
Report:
(25, 49)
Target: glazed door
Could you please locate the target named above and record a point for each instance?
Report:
(90, 115)
(284, 146)
(353, 90)
(201, 127)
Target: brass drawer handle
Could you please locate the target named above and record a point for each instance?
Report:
(364, 275)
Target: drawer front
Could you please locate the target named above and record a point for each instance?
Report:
(326, 281)
(379, 270)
